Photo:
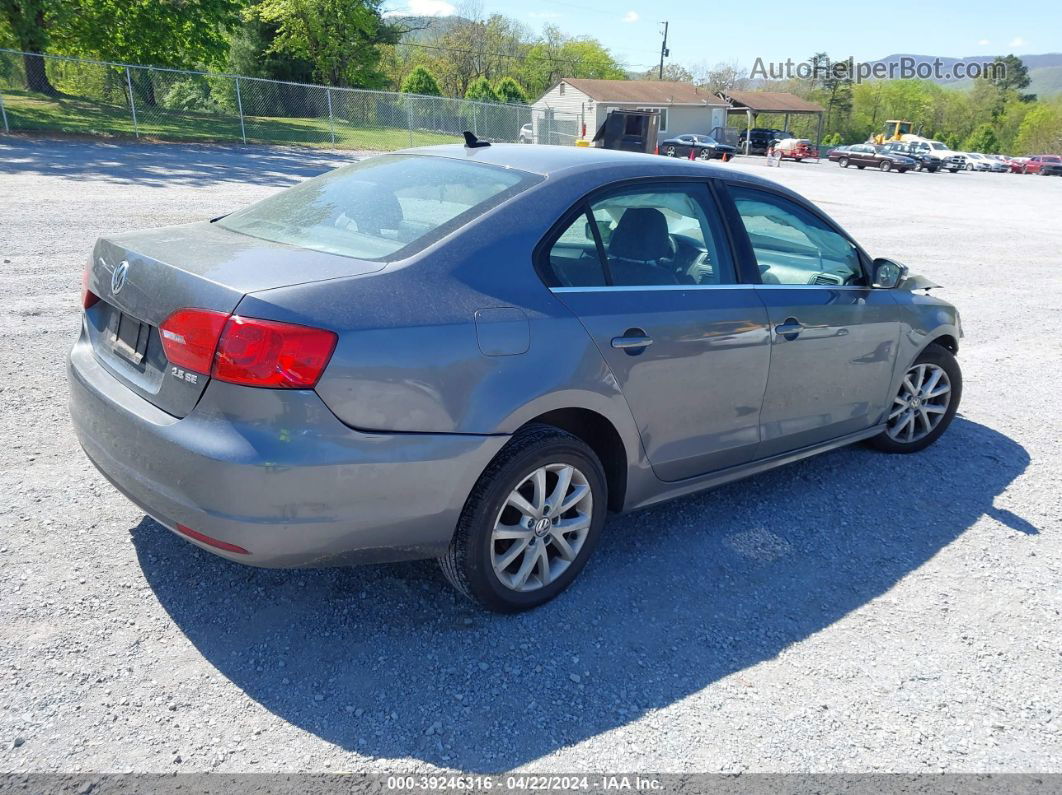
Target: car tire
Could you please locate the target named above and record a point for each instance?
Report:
(894, 439)
(860, 167)
(473, 563)
(885, 165)
(843, 162)
(670, 152)
(704, 154)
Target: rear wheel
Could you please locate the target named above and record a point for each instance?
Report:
(885, 165)
(925, 403)
(670, 151)
(530, 523)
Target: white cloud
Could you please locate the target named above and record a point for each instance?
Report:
(1017, 41)
(630, 16)
(983, 43)
(425, 8)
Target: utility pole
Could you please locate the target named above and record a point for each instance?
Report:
(663, 50)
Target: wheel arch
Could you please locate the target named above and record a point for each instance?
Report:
(948, 341)
(603, 438)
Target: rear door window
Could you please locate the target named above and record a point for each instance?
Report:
(639, 237)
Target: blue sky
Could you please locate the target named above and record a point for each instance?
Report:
(710, 32)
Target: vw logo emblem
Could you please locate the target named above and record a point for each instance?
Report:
(118, 277)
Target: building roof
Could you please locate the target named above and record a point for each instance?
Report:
(769, 102)
(647, 92)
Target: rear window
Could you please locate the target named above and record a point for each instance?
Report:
(381, 208)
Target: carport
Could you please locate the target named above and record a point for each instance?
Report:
(752, 103)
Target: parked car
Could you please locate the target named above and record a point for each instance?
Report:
(949, 160)
(975, 161)
(760, 139)
(696, 147)
(1017, 165)
(924, 161)
(1035, 163)
(527, 134)
(836, 152)
(863, 155)
(474, 353)
(1051, 168)
(997, 164)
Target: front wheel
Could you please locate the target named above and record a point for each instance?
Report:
(843, 162)
(885, 165)
(530, 523)
(704, 154)
(925, 403)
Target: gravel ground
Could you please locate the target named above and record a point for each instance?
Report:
(854, 612)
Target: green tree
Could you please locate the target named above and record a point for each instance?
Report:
(508, 90)
(480, 90)
(556, 55)
(1041, 129)
(28, 25)
(421, 81)
(1009, 72)
(177, 34)
(983, 139)
(341, 38)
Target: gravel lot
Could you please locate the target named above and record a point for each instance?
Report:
(853, 612)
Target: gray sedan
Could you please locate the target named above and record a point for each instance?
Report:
(474, 354)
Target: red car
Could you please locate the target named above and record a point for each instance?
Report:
(1034, 164)
(1016, 164)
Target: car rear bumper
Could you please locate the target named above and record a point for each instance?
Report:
(274, 472)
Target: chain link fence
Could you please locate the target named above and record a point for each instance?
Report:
(50, 93)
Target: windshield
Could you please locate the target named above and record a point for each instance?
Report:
(937, 145)
(380, 208)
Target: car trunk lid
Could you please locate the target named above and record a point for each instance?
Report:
(142, 278)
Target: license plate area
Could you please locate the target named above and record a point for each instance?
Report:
(129, 338)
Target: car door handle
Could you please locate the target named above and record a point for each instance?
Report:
(632, 342)
(790, 329)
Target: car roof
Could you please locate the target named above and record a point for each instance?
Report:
(554, 160)
(590, 165)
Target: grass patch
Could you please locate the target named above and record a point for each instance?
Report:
(76, 116)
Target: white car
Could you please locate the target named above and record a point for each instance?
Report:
(975, 161)
(527, 134)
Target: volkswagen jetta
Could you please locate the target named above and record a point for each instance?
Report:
(473, 354)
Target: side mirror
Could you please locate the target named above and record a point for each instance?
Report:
(888, 274)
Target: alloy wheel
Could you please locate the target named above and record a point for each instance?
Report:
(542, 527)
(920, 405)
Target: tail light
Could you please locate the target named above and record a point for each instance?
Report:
(247, 350)
(266, 353)
(190, 337)
(88, 298)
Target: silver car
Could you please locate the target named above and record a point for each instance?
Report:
(475, 353)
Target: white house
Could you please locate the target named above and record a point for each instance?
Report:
(575, 102)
